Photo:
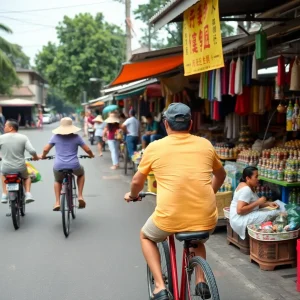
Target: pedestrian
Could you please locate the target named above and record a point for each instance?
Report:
(132, 128)
(66, 143)
(112, 134)
(151, 134)
(183, 165)
(99, 126)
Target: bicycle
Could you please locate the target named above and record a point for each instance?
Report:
(16, 196)
(190, 263)
(68, 197)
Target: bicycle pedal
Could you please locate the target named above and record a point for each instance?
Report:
(8, 214)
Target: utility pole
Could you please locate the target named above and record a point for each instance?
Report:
(128, 29)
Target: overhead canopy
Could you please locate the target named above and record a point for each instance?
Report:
(98, 103)
(147, 69)
(173, 11)
(16, 102)
(151, 90)
(102, 99)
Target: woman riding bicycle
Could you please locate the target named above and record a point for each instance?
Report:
(66, 143)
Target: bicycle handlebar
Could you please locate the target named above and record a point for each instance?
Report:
(143, 195)
(53, 156)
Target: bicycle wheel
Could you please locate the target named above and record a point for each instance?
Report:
(165, 269)
(15, 214)
(74, 198)
(202, 264)
(65, 214)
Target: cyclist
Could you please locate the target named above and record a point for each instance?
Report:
(182, 164)
(13, 146)
(66, 143)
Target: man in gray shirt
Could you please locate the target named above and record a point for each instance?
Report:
(12, 147)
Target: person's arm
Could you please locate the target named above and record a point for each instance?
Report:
(31, 150)
(46, 150)
(244, 208)
(137, 184)
(88, 151)
(218, 172)
(155, 128)
(218, 179)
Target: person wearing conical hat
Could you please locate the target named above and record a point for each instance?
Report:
(66, 142)
(99, 126)
(111, 135)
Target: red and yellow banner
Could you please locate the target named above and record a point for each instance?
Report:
(202, 41)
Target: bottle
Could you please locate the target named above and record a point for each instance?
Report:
(289, 117)
(293, 197)
(295, 115)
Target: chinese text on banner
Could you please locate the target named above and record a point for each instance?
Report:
(202, 41)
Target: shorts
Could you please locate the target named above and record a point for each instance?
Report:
(23, 173)
(153, 233)
(59, 176)
(99, 139)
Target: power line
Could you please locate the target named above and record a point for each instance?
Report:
(52, 8)
(28, 22)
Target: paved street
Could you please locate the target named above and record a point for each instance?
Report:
(101, 259)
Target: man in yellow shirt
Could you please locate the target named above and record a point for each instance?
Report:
(183, 165)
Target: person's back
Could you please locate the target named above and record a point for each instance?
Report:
(66, 147)
(13, 146)
(183, 164)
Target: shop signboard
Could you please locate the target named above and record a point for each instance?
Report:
(202, 41)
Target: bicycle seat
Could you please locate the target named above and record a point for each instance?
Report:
(66, 171)
(192, 236)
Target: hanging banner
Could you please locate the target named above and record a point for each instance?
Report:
(202, 41)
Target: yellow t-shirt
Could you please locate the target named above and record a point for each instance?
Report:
(183, 165)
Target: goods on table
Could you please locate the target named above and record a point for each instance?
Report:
(226, 152)
(245, 139)
(294, 145)
(248, 157)
(226, 187)
(264, 191)
(280, 164)
(293, 117)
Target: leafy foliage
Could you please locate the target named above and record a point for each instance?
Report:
(11, 56)
(171, 34)
(88, 47)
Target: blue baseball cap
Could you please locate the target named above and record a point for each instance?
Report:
(178, 112)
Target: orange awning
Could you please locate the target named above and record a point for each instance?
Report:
(98, 103)
(146, 69)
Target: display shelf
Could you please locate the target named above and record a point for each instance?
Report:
(227, 158)
(281, 183)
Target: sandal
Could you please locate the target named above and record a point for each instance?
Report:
(56, 208)
(81, 203)
(162, 295)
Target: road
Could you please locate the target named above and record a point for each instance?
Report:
(101, 259)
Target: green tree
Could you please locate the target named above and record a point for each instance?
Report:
(11, 56)
(171, 32)
(88, 47)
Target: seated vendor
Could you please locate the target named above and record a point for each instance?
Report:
(245, 205)
(152, 132)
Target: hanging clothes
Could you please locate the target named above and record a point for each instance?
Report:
(249, 71)
(232, 78)
(268, 98)
(201, 86)
(245, 70)
(254, 71)
(288, 77)
(206, 85)
(243, 101)
(238, 81)
(281, 71)
(216, 111)
(295, 76)
(218, 92)
(261, 104)
(225, 77)
(207, 107)
(232, 126)
(255, 99)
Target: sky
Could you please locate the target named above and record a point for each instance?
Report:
(32, 30)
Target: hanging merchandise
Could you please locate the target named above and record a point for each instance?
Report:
(279, 95)
(295, 116)
(255, 99)
(232, 78)
(238, 81)
(218, 93)
(288, 77)
(225, 78)
(295, 76)
(281, 71)
(289, 117)
(261, 104)
(243, 101)
(254, 73)
(261, 45)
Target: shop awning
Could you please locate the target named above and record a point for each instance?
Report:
(136, 92)
(103, 99)
(17, 103)
(98, 103)
(147, 69)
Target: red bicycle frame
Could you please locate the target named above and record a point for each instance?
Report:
(185, 263)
